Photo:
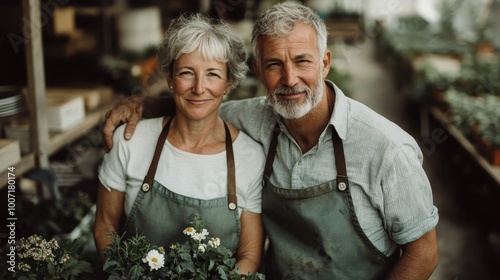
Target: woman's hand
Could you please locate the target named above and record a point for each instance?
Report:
(129, 111)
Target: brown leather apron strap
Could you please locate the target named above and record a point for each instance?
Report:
(268, 169)
(148, 180)
(232, 200)
(338, 150)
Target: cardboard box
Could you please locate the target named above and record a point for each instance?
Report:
(91, 97)
(55, 20)
(64, 21)
(64, 111)
(10, 153)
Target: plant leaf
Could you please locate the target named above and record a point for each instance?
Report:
(51, 269)
(114, 277)
(110, 265)
(211, 264)
(135, 272)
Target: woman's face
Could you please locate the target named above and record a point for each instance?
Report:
(199, 85)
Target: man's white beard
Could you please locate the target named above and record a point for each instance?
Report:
(294, 109)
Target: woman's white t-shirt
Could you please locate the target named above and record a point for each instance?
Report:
(192, 175)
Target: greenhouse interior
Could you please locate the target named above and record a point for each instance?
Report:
(412, 92)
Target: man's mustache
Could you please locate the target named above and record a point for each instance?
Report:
(291, 90)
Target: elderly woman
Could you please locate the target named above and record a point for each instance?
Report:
(190, 163)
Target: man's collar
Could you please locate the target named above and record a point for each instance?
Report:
(339, 118)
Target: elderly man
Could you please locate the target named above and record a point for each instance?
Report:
(345, 195)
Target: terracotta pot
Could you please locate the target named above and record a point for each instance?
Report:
(495, 156)
(485, 47)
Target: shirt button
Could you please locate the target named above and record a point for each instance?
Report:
(342, 186)
(145, 187)
(232, 206)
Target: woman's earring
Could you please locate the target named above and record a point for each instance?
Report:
(171, 87)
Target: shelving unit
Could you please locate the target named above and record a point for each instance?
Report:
(43, 144)
(58, 141)
(470, 150)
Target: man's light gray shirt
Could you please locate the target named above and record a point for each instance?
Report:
(391, 193)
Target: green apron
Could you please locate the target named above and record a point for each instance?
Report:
(162, 215)
(314, 232)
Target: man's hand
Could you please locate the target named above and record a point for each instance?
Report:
(129, 111)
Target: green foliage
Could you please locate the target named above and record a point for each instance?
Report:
(448, 8)
(193, 259)
(39, 259)
(482, 113)
(423, 42)
(413, 23)
(341, 78)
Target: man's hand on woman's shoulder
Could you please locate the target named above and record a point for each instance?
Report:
(129, 111)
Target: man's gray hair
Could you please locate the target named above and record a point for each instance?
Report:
(214, 38)
(281, 19)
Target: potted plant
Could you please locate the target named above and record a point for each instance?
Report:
(200, 257)
(39, 259)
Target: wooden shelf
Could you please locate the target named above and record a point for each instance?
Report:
(45, 144)
(347, 29)
(58, 141)
(492, 171)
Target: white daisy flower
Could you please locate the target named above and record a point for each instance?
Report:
(155, 260)
(214, 242)
(189, 231)
(199, 236)
(202, 247)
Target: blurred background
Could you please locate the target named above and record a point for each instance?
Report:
(431, 66)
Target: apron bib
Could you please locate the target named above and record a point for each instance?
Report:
(314, 232)
(161, 215)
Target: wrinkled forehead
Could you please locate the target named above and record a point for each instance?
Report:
(302, 37)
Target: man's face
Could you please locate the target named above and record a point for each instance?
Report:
(292, 72)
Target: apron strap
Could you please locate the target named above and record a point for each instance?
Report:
(231, 177)
(232, 200)
(338, 151)
(148, 180)
(268, 169)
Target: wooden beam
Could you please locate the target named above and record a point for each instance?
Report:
(36, 87)
(36, 82)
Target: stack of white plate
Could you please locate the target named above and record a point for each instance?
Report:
(12, 101)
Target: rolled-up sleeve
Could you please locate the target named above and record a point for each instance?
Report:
(408, 202)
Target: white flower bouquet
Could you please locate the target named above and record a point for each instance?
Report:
(39, 259)
(200, 257)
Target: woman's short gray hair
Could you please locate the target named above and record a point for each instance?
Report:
(214, 38)
(281, 19)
